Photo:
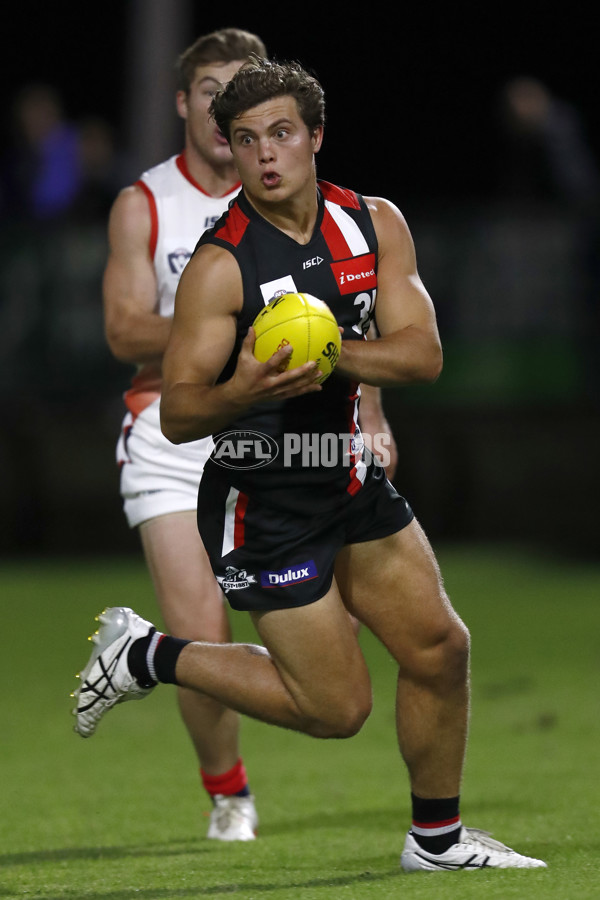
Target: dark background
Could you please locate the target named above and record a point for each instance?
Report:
(412, 88)
(506, 445)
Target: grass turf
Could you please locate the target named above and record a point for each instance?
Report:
(122, 815)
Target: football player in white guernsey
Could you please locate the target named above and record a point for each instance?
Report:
(153, 229)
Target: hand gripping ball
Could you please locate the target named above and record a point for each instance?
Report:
(304, 322)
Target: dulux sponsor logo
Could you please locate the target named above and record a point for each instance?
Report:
(290, 575)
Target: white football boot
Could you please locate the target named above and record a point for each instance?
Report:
(106, 679)
(474, 850)
(233, 819)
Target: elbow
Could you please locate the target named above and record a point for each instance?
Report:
(435, 367)
(430, 368)
(174, 435)
(168, 425)
(170, 430)
(116, 338)
(177, 425)
(171, 434)
(121, 355)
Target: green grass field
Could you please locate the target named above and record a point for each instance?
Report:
(123, 816)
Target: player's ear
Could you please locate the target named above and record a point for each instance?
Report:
(181, 98)
(317, 138)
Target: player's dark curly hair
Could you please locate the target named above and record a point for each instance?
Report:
(260, 80)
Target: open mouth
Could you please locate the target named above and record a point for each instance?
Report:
(271, 179)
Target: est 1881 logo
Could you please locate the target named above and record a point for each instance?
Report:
(244, 450)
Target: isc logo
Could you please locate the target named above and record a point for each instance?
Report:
(315, 261)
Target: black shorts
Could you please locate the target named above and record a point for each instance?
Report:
(268, 556)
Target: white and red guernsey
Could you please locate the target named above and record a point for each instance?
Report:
(339, 266)
(181, 211)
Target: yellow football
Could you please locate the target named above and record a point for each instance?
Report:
(305, 323)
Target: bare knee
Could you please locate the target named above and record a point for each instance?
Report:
(443, 657)
(456, 650)
(339, 718)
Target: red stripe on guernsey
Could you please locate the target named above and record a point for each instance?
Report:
(239, 529)
(182, 165)
(153, 218)
(335, 240)
(229, 783)
(235, 226)
(341, 196)
(233, 521)
(355, 483)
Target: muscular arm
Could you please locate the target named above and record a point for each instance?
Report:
(408, 349)
(372, 421)
(135, 332)
(209, 299)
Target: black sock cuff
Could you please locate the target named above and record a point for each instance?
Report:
(434, 810)
(166, 656)
(436, 823)
(136, 660)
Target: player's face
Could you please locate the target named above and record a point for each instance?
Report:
(202, 132)
(274, 151)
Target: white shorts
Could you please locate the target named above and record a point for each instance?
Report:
(157, 477)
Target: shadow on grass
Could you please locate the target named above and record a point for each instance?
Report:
(369, 819)
(72, 854)
(218, 889)
(384, 819)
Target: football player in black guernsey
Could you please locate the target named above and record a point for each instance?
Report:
(299, 521)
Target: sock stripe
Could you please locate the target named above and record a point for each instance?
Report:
(154, 642)
(433, 829)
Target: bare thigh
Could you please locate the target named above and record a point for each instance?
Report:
(319, 660)
(393, 586)
(190, 599)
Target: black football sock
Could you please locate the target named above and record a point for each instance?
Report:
(153, 658)
(162, 655)
(436, 823)
(136, 660)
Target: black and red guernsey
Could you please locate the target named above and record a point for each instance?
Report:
(339, 266)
